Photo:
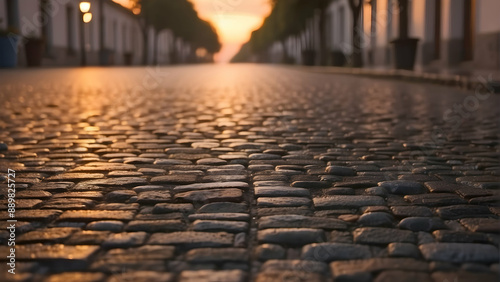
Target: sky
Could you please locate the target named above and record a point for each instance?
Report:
(234, 21)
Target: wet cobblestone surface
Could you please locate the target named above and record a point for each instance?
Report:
(247, 173)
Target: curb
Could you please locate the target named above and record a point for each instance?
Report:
(461, 81)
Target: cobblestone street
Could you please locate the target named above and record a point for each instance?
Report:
(247, 173)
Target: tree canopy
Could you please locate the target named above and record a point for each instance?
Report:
(180, 17)
(287, 18)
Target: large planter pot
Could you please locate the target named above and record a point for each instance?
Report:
(288, 60)
(338, 58)
(127, 58)
(8, 51)
(405, 51)
(34, 52)
(308, 57)
(106, 57)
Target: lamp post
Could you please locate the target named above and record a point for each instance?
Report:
(86, 18)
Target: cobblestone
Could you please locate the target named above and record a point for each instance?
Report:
(458, 253)
(459, 211)
(270, 251)
(289, 221)
(335, 251)
(125, 240)
(87, 237)
(247, 173)
(379, 235)
(208, 275)
(348, 201)
(220, 225)
(211, 195)
(403, 250)
(426, 224)
(356, 269)
(375, 219)
(219, 255)
(403, 187)
(291, 236)
(92, 215)
(192, 239)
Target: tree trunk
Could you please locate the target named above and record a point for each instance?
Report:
(155, 48)
(403, 19)
(13, 14)
(323, 52)
(145, 40)
(173, 54)
(285, 52)
(356, 56)
(102, 35)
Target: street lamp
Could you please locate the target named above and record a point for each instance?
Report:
(86, 18)
(84, 7)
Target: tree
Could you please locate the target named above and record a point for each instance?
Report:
(356, 56)
(289, 18)
(180, 17)
(310, 7)
(145, 21)
(206, 37)
(403, 19)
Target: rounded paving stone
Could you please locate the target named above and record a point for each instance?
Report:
(290, 236)
(375, 219)
(106, 225)
(270, 251)
(120, 196)
(403, 187)
(426, 224)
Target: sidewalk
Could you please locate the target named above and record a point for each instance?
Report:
(460, 78)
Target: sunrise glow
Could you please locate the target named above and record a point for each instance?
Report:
(234, 20)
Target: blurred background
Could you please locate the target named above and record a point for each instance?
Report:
(430, 35)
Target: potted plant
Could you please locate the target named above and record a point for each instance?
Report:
(405, 48)
(338, 58)
(33, 46)
(127, 58)
(9, 40)
(308, 57)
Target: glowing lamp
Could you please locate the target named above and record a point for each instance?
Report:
(87, 17)
(85, 7)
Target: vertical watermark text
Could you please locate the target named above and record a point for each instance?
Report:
(11, 222)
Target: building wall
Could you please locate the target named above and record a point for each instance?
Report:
(122, 34)
(487, 38)
(449, 51)
(342, 26)
(3, 14)
(487, 18)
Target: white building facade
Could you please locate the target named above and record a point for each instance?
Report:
(452, 33)
(113, 36)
